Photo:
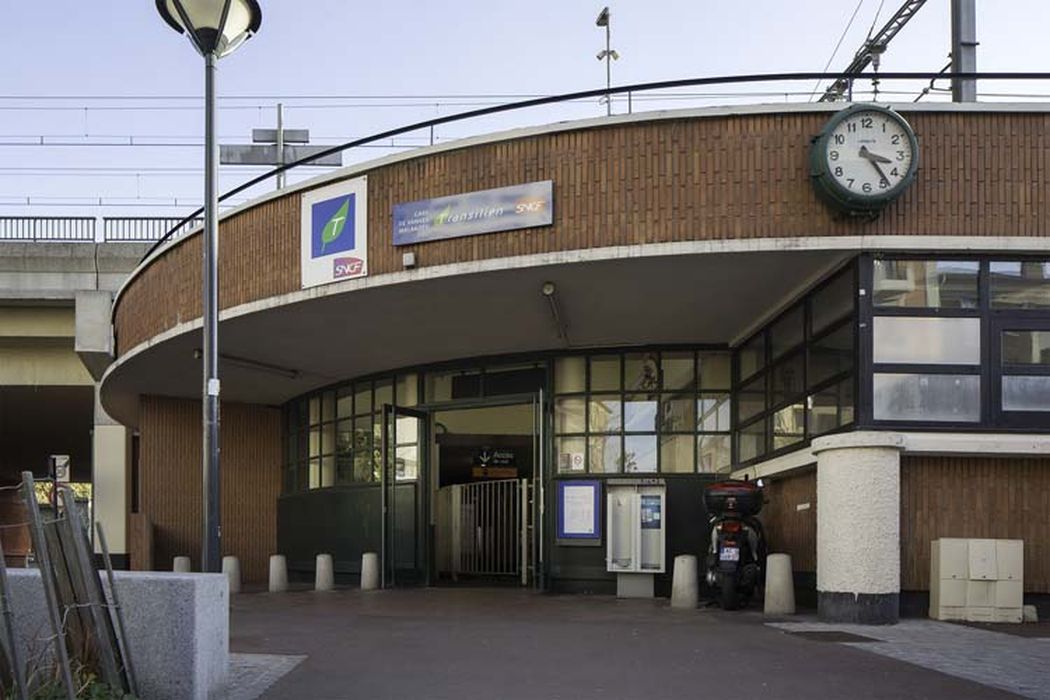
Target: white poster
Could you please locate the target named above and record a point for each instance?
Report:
(333, 236)
(578, 516)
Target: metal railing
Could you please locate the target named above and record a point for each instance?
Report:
(83, 229)
(47, 228)
(145, 228)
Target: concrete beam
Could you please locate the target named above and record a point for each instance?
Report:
(94, 333)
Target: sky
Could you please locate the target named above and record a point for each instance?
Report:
(101, 102)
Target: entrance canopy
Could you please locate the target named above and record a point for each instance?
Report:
(285, 346)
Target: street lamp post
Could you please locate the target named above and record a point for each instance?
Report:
(215, 28)
(608, 55)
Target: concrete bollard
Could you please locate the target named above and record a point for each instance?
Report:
(324, 578)
(1029, 613)
(231, 566)
(369, 571)
(780, 585)
(278, 573)
(684, 586)
(181, 565)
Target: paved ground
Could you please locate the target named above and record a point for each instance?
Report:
(498, 644)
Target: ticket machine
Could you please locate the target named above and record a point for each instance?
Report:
(636, 512)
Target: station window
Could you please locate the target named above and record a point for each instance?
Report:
(642, 412)
(795, 376)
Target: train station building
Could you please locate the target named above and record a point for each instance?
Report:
(453, 356)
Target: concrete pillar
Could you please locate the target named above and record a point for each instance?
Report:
(369, 571)
(109, 467)
(278, 573)
(858, 527)
(780, 586)
(231, 566)
(324, 576)
(685, 592)
(181, 565)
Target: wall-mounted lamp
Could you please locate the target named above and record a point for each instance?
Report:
(550, 293)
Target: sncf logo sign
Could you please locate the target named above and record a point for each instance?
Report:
(347, 267)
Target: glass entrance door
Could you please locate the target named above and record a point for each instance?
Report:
(404, 474)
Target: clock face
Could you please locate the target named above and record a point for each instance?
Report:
(865, 157)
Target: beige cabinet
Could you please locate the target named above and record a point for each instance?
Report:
(976, 580)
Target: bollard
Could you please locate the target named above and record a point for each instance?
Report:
(369, 571)
(780, 586)
(231, 566)
(278, 573)
(684, 587)
(181, 565)
(324, 578)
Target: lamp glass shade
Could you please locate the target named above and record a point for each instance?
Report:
(204, 16)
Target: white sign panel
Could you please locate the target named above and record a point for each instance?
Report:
(579, 518)
(333, 235)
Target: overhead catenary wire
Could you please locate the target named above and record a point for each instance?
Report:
(838, 45)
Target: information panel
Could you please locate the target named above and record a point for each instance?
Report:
(579, 512)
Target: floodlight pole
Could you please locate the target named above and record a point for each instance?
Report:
(608, 70)
(211, 552)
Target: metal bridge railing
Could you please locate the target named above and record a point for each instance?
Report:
(47, 228)
(144, 228)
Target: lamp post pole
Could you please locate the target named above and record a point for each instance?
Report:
(211, 552)
(215, 28)
(608, 70)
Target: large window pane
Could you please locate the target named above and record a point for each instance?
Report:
(605, 373)
(715, 371)
(639, 413)
(1026, 347)
(568, 415)
(787, 378)
(639, 454)
(677, 369)
(752, 399)
(833, 302)
(831, 408)
(604, 454)
(1020, 285)
(787, 332)
(935, 341)
(1026, 393)
(789, 426)
(570, 454)
(831, 355)
(344, 403)
(945, 284)
(408, 390)
(751, 441)
(604, 412)
(752, 356)
(570, 374)
(712, 412)
(406, 462)
(641, 372)
(676, 454)
(927, 397)
(713, 453)
(362, 398)
(677, 413)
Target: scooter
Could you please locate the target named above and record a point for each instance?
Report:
(737, 555)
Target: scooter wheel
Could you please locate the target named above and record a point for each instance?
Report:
(727, 596)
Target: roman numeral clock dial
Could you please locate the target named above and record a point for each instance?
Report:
(865, 157)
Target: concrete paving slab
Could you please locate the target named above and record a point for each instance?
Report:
(517, 645)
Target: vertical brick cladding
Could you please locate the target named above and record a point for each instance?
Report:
(788, 529)
(707, 178)
(990, 497)
(170, 479)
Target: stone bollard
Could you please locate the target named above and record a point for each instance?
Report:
(369, 571)
(780, 585)
(278, 573)
(684, 587)
(231, 566)
(1029, 613)
(324, 578)
(181, 565)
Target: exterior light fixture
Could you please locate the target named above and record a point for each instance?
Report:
(549, 293)
(608, 55)
(215, 28)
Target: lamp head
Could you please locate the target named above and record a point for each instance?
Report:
(548, 289)
(603, 18)
(215, 27)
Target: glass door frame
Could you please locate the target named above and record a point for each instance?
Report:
(388, 482)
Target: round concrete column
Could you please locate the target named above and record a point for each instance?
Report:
(858, 527)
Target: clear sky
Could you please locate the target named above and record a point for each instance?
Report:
(345, 69)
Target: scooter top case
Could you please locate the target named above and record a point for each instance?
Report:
(742, 498)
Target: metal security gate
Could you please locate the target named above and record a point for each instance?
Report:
(490, 528)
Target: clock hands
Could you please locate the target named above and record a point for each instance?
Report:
(875, 159)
